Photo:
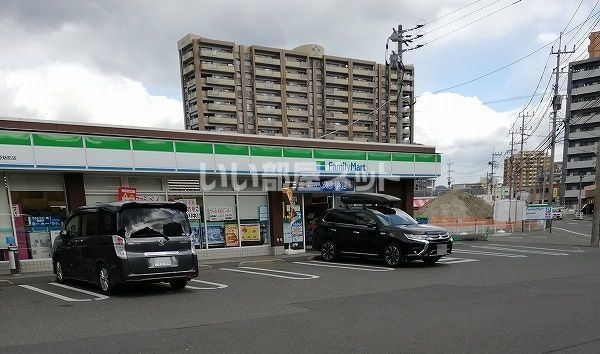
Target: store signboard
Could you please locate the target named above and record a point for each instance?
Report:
(14, 210)
(127, 193)
(538, 212)
(332, 185)
(220, 214)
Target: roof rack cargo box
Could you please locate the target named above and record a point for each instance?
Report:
(370, 198)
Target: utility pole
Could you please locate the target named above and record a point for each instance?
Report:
(493, 164)
(401, 37)
(556, 105)
(523, 115)
(449, 172)
(579, 194)
(511, 174)
(596, 223)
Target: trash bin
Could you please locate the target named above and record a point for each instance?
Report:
(13, 259)
(423, 220)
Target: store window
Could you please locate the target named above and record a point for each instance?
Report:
(254, 220)
(222, 222)
(195, 213)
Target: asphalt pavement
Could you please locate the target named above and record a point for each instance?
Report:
(533, 292)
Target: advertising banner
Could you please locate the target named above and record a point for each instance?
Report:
(231, 235)
(215, 234)
(220, 214)
(250, 232)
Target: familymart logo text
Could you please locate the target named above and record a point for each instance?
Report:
(335, 166)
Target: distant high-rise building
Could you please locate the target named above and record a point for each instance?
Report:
(526, 170)
(582, 128)
(297, 93)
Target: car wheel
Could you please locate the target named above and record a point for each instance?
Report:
(328, 251)
(60, 275)
(392, 254)
(431, 260)
(104, 280)
(178, 284)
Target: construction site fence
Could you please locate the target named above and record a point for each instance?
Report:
(489, 227)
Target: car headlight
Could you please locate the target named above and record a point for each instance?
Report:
(415, 237)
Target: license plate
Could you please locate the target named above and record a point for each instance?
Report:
(161, 262)
(442, 249)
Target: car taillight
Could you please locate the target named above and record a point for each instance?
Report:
(119, 244)
(193, 244)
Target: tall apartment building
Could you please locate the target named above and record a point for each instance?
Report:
(526, 170)
(296, 93)
(582, 131)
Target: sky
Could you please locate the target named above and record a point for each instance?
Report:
(116, 62)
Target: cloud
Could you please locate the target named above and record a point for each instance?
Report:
(464, 130)
(73, 92)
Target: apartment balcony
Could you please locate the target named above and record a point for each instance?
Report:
(585, 104)
(584, 134)
(576, 150)
(267, 73)
(407, 88)
(297, 100)
(298, 125)
(296, 64)
(268, 86)
(221, 94)
(222, 120)
(338, 93)
(583, 74)
(268, 110)
(192, 108)
(336, 69)
(188, 69)
(588, 118)
(219, 81)
(585, 89)
(216, 54)
(296, 88)
(337, 115)
(220, 107)
(297, 112)
(217, 67)
(367, 95)
(294, 76)
(341, 138)
(361, 138)
(333, 80)
(365, 106)
(393, 130)
(362, 128)
(268, 98)
(363, 72)
(581, 164)
(360, 83)
(340, 127)
(337, 104)
(586, 179)
(187, 56)
(266, 60)
(393, 120)
(269, 123)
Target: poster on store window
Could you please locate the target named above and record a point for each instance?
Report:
(250, 232)
(215, 234)
(193, 209)
(220, 214)
(231, 235)
(293, 228)
(197, 233)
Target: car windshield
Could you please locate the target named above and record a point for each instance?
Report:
(397, 218)
(152, 222)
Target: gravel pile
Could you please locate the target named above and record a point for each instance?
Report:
(456, 204)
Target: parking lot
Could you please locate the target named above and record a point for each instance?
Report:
(519, 292)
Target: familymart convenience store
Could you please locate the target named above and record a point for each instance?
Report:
(247, 195)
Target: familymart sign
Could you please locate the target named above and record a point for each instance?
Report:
(341, 166)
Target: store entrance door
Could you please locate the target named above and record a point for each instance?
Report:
(315, 205)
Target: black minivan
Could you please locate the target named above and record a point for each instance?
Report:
(126, 242)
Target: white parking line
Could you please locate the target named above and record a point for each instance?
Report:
(265, 272)
(346, 266)
(484, 253)
(521, 250)
(573, 232)
(451, 260)
(62, 297)
(216, 285)
(96, 295)
(535, 248)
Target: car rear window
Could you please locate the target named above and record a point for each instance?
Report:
(152, 222)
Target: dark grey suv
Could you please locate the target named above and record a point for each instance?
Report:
(126, 242)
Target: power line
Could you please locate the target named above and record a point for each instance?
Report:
(460, 18)
(452, 12)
